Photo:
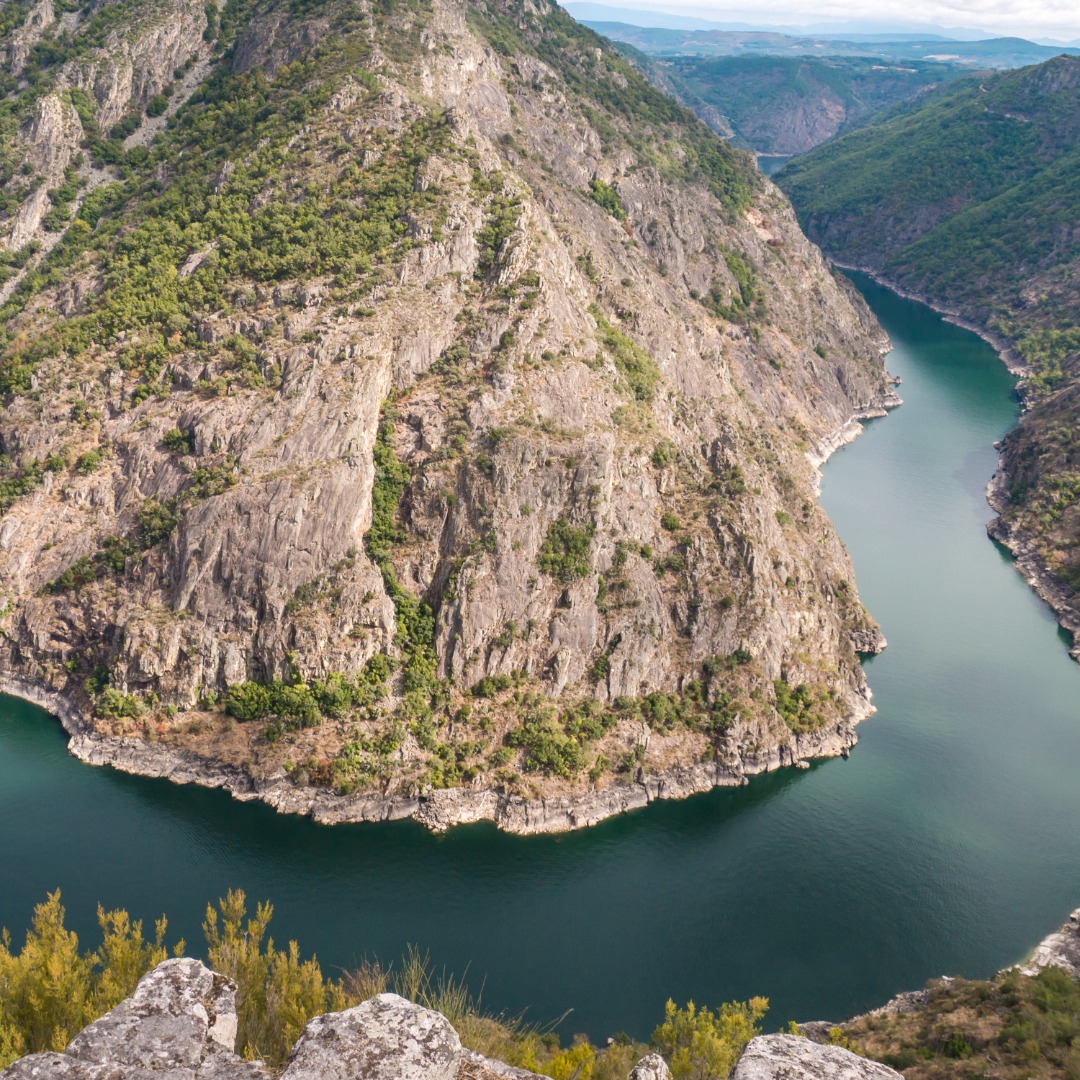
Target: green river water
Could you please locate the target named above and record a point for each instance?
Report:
(947, 843)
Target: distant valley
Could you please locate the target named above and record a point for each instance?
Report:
(971, 199)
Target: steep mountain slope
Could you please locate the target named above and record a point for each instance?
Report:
(788, 105)
(426, 407)
(972, 199)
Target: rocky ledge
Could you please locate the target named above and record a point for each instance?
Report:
(1030, 562)
(181, 1023)
(1060, 949)
(440, 809)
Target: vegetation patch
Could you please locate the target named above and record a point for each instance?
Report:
(566, 554)
(50, 989)
(639, 371)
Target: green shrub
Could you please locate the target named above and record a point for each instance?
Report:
(639, 371)
(700, 1044)
(603, 194)
(565, 553)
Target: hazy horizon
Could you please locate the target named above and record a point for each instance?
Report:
(1031, 19)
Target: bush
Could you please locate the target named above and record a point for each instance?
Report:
(157, 521)
(49, 990)
(701, 1045)
(603, 194)
(565, 553)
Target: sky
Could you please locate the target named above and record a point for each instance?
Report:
(1057, 19)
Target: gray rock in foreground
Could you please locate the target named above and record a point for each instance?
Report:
(651, 1067)
(179, 1023)
(385, 1038)
(791, 1057)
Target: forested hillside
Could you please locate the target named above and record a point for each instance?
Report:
(788, 105)
(972, 199)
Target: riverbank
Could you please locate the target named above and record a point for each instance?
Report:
(999, 344)
(438, 809)
(1021, 545)
(1030, 563)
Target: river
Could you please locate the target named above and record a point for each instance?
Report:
(946, 844)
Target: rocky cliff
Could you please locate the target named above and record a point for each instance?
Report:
(407, 405)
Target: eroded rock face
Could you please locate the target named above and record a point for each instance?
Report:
(516, 415)
(385, 1038)
(180, 1022)
(1060, 949)
(791, 1057)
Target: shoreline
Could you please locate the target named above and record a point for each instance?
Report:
(1020, 545)
(1006, 354)
(1029, 564)
(441, 809)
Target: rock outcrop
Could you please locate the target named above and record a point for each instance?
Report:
(651, 1067)
(181, 1023)
(791, 1057)
(1060, 949)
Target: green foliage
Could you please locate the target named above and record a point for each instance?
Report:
(640, 372)
(339, 228)
(49, 990)
(277, 990)
(603, 194)
(1012, 1026)
(746, 303)
(157, 520)
(664, 454)
(566, 553)
(502, 218)
(799, 707)
(179, 442)
(207, 481)
(114, 705)
(89, 462)
(702, 1045)
(415, 618)
(14, 483)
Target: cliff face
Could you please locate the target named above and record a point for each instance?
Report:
(432, 392)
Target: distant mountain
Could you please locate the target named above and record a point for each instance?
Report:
(851, 30)
(788, 105)
(971, 198)
(670, 41)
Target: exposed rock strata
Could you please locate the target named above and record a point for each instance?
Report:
(513, 415)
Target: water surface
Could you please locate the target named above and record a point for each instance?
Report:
(947, 843)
